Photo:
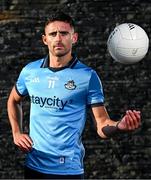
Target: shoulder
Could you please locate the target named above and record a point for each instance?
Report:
(82, 66)
(34, 64)
(85, 68)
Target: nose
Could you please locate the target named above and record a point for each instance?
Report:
(58, 37)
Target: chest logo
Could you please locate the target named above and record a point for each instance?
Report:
(70, 85)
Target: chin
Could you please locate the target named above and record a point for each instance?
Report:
(60, 54)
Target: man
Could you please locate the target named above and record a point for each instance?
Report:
(60, 88)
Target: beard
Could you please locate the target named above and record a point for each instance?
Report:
(60, 52)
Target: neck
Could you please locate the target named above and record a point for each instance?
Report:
(57, 62)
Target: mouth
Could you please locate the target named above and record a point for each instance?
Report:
(60, 46)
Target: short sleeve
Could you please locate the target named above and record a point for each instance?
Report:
(95, 90)
(20, 84)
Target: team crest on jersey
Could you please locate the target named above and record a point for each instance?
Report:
(70, 85)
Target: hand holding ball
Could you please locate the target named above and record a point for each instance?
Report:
(128, 43)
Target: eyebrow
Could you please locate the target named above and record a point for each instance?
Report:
(59, 32)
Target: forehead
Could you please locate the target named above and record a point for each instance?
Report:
(58, 26)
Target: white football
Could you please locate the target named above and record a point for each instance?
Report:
(128, 43)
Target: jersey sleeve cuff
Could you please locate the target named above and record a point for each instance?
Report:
(22, 95)
(96, 104)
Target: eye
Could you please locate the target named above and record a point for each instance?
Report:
(53, 34)
(64, 33)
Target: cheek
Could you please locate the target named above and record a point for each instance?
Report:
(69, 45)
(69, 42)
(49, 42)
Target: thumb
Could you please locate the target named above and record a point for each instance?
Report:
(122, 124)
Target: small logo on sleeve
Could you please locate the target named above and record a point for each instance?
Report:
(70, 85)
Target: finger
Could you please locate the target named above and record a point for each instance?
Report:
(138, 115)
(133, 119)
(28, 140)
(128, 122)
(24, 147)
(25, 150)
(24, 143)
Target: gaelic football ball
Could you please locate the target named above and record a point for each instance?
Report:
(128, 43)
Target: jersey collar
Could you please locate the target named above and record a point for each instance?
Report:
(71, 63)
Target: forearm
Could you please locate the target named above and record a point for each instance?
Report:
(111, 130)
(15, 115)
(102, 119)
(108, 128)
(14, 107)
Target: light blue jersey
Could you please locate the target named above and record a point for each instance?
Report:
(59, 100)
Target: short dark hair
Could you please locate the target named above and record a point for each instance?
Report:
(59, 16)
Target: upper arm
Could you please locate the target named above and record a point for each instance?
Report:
(14, 97)
(95, 90)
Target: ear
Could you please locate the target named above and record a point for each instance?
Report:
(44, 39)
(75, 38)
